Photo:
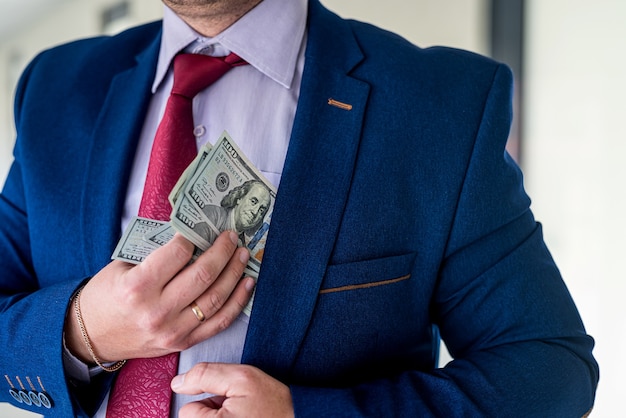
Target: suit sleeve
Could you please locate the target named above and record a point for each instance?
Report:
(519, 346)
(32, 312)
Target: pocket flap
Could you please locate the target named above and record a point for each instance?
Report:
(368, 273)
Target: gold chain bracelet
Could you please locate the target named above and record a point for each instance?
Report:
(79, 317)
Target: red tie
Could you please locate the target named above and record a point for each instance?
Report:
(142, 388)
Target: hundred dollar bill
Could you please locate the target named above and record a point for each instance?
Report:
(163, 234)
(248, 308)
(220, 196)
(188, 173)
(190, 222)
(132, 247)
(142, 236)
(221, 189)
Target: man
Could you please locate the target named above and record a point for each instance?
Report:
(349, 304)
(242, 210)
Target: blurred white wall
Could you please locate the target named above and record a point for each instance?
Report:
(573, 133)
(462, 24)
(70, 19)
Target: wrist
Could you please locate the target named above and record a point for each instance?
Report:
(77, 339)
(72, 336)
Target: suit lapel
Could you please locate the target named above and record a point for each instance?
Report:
(312, 194)
(113, 146)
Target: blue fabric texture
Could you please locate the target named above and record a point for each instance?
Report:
(395, 220)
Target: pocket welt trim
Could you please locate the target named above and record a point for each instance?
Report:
(365, 285)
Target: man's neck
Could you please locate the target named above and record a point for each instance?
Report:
(210, 17)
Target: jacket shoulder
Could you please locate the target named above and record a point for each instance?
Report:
(381, 52)
(87, 63)
(113, 48)
(390, 49)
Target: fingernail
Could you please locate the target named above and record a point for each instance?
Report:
(250, 283)
(244, 256)
(233, 237)
(177, 381)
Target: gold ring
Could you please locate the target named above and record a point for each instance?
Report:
(197, 311)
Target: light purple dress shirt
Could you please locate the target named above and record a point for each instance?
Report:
(255, 103)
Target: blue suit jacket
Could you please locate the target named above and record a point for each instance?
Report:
(396, 218)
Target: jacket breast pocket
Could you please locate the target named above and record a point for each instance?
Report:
(368, 273)
(367, 319)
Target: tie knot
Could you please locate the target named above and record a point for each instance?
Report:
(195, 72)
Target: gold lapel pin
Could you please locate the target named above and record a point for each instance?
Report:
(340, 105)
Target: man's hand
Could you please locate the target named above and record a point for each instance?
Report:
(144, 310)
(241, 391)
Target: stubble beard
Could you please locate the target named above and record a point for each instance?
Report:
(209, 17)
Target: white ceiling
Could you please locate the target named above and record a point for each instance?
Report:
(15, 13)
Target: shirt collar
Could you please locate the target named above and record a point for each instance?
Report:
(268, 37)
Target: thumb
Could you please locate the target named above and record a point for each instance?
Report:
(211, 378)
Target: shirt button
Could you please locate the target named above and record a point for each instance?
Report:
(198, 131)
(204, 50)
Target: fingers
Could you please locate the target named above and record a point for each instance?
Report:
(151, 301)
(222, 318)
(223, 261)
(241, 391)
(222, 379)
(213, 285)
(164, 263)
(216, 295)
(214, 378)
(205, 408)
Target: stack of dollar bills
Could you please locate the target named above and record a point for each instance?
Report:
(214, 173)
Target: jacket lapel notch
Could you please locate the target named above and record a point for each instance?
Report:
(308, 211)
(113, 146)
